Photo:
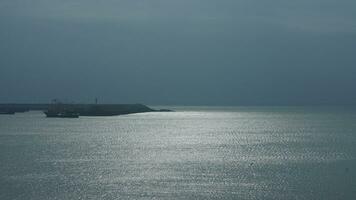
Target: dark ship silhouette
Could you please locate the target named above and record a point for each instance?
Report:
(6, 112)
(59, 110)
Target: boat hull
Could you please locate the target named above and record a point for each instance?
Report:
(7, 112)
(61, 115)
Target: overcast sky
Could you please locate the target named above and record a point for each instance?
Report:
(181, 52)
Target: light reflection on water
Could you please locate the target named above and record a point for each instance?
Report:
(195, 153)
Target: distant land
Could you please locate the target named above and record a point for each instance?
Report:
(83, 109)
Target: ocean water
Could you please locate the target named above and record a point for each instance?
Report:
(194, 153)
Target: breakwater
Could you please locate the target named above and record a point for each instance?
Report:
(83, 109)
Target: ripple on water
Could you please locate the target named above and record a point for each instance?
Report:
(248, 153)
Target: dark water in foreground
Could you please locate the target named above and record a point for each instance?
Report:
(195, 153)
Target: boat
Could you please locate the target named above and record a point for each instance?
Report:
(59, 110)
(6, 112)
(61, 114)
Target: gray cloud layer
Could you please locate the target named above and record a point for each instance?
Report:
(179, 52)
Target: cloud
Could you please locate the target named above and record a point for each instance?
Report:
(243, 50)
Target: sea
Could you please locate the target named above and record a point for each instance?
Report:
(193, 153)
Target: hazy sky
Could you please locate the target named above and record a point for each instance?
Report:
(211, 52)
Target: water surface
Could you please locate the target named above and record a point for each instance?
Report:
(194, 153)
